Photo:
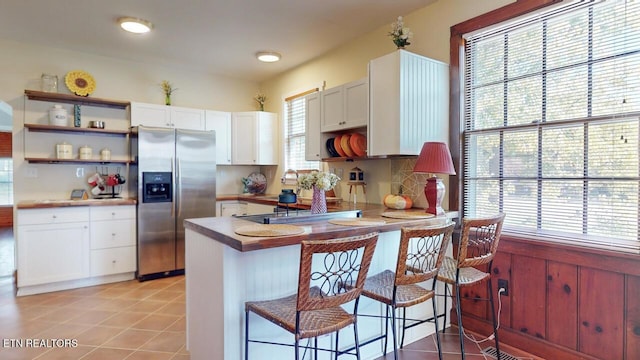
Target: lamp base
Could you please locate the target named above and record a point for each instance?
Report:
(434, 191)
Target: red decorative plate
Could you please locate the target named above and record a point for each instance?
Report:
(358, 143)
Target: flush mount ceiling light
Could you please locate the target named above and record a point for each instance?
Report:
(135, 25)
(268, 56)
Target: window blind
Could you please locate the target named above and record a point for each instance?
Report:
(551, 124)
(295, 134)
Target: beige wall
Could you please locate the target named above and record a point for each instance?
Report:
(431, 28)
(21, 66)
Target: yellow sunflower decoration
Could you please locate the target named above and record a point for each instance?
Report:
(80, 82)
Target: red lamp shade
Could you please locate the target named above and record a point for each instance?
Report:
(434, 158)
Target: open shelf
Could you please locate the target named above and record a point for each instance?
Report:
(74, 161)
(76, 130)
(75, 99)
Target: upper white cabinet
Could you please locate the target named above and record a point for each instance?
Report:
(254, 138)
(167, 116)
(314, 148)
(220, 122)
(408, 104)
(345, 106)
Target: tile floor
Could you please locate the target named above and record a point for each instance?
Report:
(132, 320)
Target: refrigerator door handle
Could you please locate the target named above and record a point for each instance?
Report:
(178, 203)
(175, 197)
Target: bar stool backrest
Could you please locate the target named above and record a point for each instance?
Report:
(421, 253)
(325, 265)
(479, 240)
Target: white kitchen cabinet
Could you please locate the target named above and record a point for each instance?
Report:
(52, 245)
(315, 149)
(255, 208)
(254, 138)
(230, 208)
(408, 103)
(220, 122)
(163, 116)
(345, 107)
(113, 239)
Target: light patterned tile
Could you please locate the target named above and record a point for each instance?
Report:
(150, 355)
(124, 319)
(147, 306)
(173, 308)
(103, 353)
(66, 353)
(97, 335)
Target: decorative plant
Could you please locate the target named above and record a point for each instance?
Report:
(261, 99)
(168, 89)
(400, 34)
(320, 179)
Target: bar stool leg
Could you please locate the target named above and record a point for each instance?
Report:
(459, 313)
(355, 336)
(393, 332)
(246, 335)
(493, 314)
(435, 319)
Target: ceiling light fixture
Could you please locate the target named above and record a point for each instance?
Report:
(135, 25)
(268, 56)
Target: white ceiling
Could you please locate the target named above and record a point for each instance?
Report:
(216, 36)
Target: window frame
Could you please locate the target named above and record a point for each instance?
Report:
(457, 110)
(286, 137)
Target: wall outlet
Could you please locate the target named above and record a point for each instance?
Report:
(503, 284)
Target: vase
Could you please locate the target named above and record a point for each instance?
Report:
(318, 201)
(167, 99)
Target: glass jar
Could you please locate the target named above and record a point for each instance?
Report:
(49, 82)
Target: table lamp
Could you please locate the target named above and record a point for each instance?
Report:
(434, 158)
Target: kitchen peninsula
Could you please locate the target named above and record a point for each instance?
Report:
(224, 269)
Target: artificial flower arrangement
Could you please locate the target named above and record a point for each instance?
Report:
(320, 179)
(168, 89)
(261, 99)
(400, 34)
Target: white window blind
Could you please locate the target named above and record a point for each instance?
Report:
(295, 135)
(551, 124)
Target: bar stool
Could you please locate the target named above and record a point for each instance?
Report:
(316, 308)
(420, 256)
(478, 246)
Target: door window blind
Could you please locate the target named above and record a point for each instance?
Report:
(551, 124)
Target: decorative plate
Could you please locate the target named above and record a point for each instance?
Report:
(80, 82)
(358, 143)
(344, 144)
(256, 183)
(331, 149)
(336, 145)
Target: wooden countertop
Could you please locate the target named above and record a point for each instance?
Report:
(222, 229)
(45, 204)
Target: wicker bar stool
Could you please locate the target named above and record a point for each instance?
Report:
(478, 245)
(316, 308)
(420, 256)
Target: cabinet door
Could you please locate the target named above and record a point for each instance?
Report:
(113, 233)
(220, 122)
(188, 119)
(150, 115)
(243, 132)
(232, 208)
(332, 109)
(356, 103)
(52, 253)
(312, 139)
(267, 138)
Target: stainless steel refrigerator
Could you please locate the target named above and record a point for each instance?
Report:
(176, 180)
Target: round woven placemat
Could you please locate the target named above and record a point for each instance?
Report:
(407, 215)
(269, 230)
(357, 222)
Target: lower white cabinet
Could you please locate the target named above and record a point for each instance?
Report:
(113, 240)
(62, 248)
(54, 251)
(230, 208)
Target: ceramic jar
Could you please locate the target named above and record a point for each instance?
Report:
(58, 116)
(85, 152)
(105, 154)
(64, 151)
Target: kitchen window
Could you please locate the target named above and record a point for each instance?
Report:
(6, 181)
(294, 150)
(551, 124)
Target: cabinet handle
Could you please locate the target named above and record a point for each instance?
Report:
(55, 217)
(113, 261)
(113, 214)
(113, 234)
